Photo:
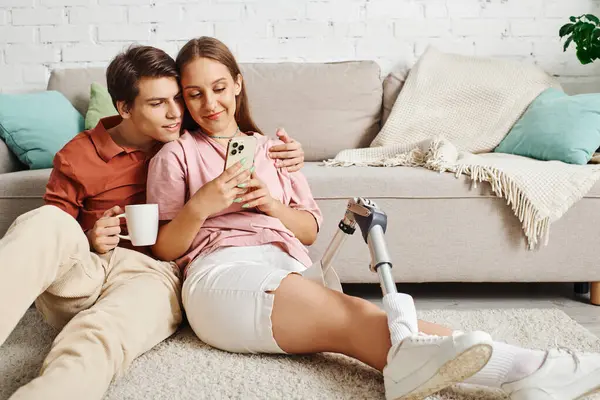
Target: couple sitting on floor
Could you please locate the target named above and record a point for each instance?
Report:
(230, 251)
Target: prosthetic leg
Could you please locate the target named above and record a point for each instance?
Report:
(372, 222)
(443, 361)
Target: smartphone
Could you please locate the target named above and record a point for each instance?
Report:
(241, 147)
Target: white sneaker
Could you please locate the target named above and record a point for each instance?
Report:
(422, 365)
(564, 375)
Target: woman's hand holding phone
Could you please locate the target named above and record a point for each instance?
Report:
(220, 193)
(258, 196)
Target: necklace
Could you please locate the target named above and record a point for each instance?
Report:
(225, 137)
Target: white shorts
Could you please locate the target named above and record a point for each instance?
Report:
(226, 299)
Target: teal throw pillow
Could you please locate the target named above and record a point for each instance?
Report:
(556, 126)
(35, 126)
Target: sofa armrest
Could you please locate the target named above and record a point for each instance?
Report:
(8, 161)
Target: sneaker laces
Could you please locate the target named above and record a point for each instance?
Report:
(425, 338)
(567, 351)
(419, 337)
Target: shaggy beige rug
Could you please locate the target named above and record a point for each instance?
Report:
(184, 368)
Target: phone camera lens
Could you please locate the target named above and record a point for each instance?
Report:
(234, 145)
(233, 152)
(241, 147)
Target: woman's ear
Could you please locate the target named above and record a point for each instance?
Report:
(124, 109)
(238, 84)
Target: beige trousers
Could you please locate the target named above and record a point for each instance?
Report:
(111, 307)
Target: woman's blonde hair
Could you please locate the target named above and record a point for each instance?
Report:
(214, 49)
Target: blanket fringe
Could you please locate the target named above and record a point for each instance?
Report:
(535, 226)
(414, 158)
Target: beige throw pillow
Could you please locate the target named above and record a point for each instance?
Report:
(470, 101)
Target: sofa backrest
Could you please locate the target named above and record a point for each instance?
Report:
(327, 106)
(392, 85)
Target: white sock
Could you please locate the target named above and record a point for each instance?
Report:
(508, 364)
(402, 316)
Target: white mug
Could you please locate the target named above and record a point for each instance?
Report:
(142, 224)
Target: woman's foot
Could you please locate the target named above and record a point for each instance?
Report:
(421, 365)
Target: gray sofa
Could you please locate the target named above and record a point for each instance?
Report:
(439, 228)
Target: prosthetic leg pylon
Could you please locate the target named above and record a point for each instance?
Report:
(372, 222)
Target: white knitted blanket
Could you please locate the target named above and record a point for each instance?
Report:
(452, 112)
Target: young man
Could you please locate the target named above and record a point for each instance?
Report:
(112, 303)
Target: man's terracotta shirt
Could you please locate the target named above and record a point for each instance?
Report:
(93, 174)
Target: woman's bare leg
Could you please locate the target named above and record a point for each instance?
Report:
(309, 318)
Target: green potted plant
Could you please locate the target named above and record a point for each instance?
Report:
(584, 31)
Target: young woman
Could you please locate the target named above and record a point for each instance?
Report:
(240, 235)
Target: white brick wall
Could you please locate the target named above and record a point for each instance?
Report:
(38, 35)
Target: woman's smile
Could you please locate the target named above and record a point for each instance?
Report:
(214, 116)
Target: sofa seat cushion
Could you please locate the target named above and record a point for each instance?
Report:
(455, 235)
(387, 182)
(466, 240)
(325, 182)
(24, 184)
(394, 182)
(20, 192)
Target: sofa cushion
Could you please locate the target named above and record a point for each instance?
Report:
(392, 182)
(23, 184)
(557, 126)
(431, 237)
(466, 240)
(328, 107)
(100, 106)
(75, 84)
(470, 101)
(8, 161)
(392, 85)
(35, 136)
(325, 182)
(395, 182)
(20, 192)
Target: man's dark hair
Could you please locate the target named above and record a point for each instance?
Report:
(126, 69)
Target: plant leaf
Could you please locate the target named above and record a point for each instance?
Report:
(588, 34)
(584, 31)
(566, 29)
(584, 35)
(567, 43)
(583, 56)
(593, 18)
(588, 27)
(594, 51)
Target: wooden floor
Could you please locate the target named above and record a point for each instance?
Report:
(496, 295)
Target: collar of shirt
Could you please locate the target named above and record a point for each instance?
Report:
(103, 142)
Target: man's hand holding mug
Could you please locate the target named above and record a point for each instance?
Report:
(142, 225)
